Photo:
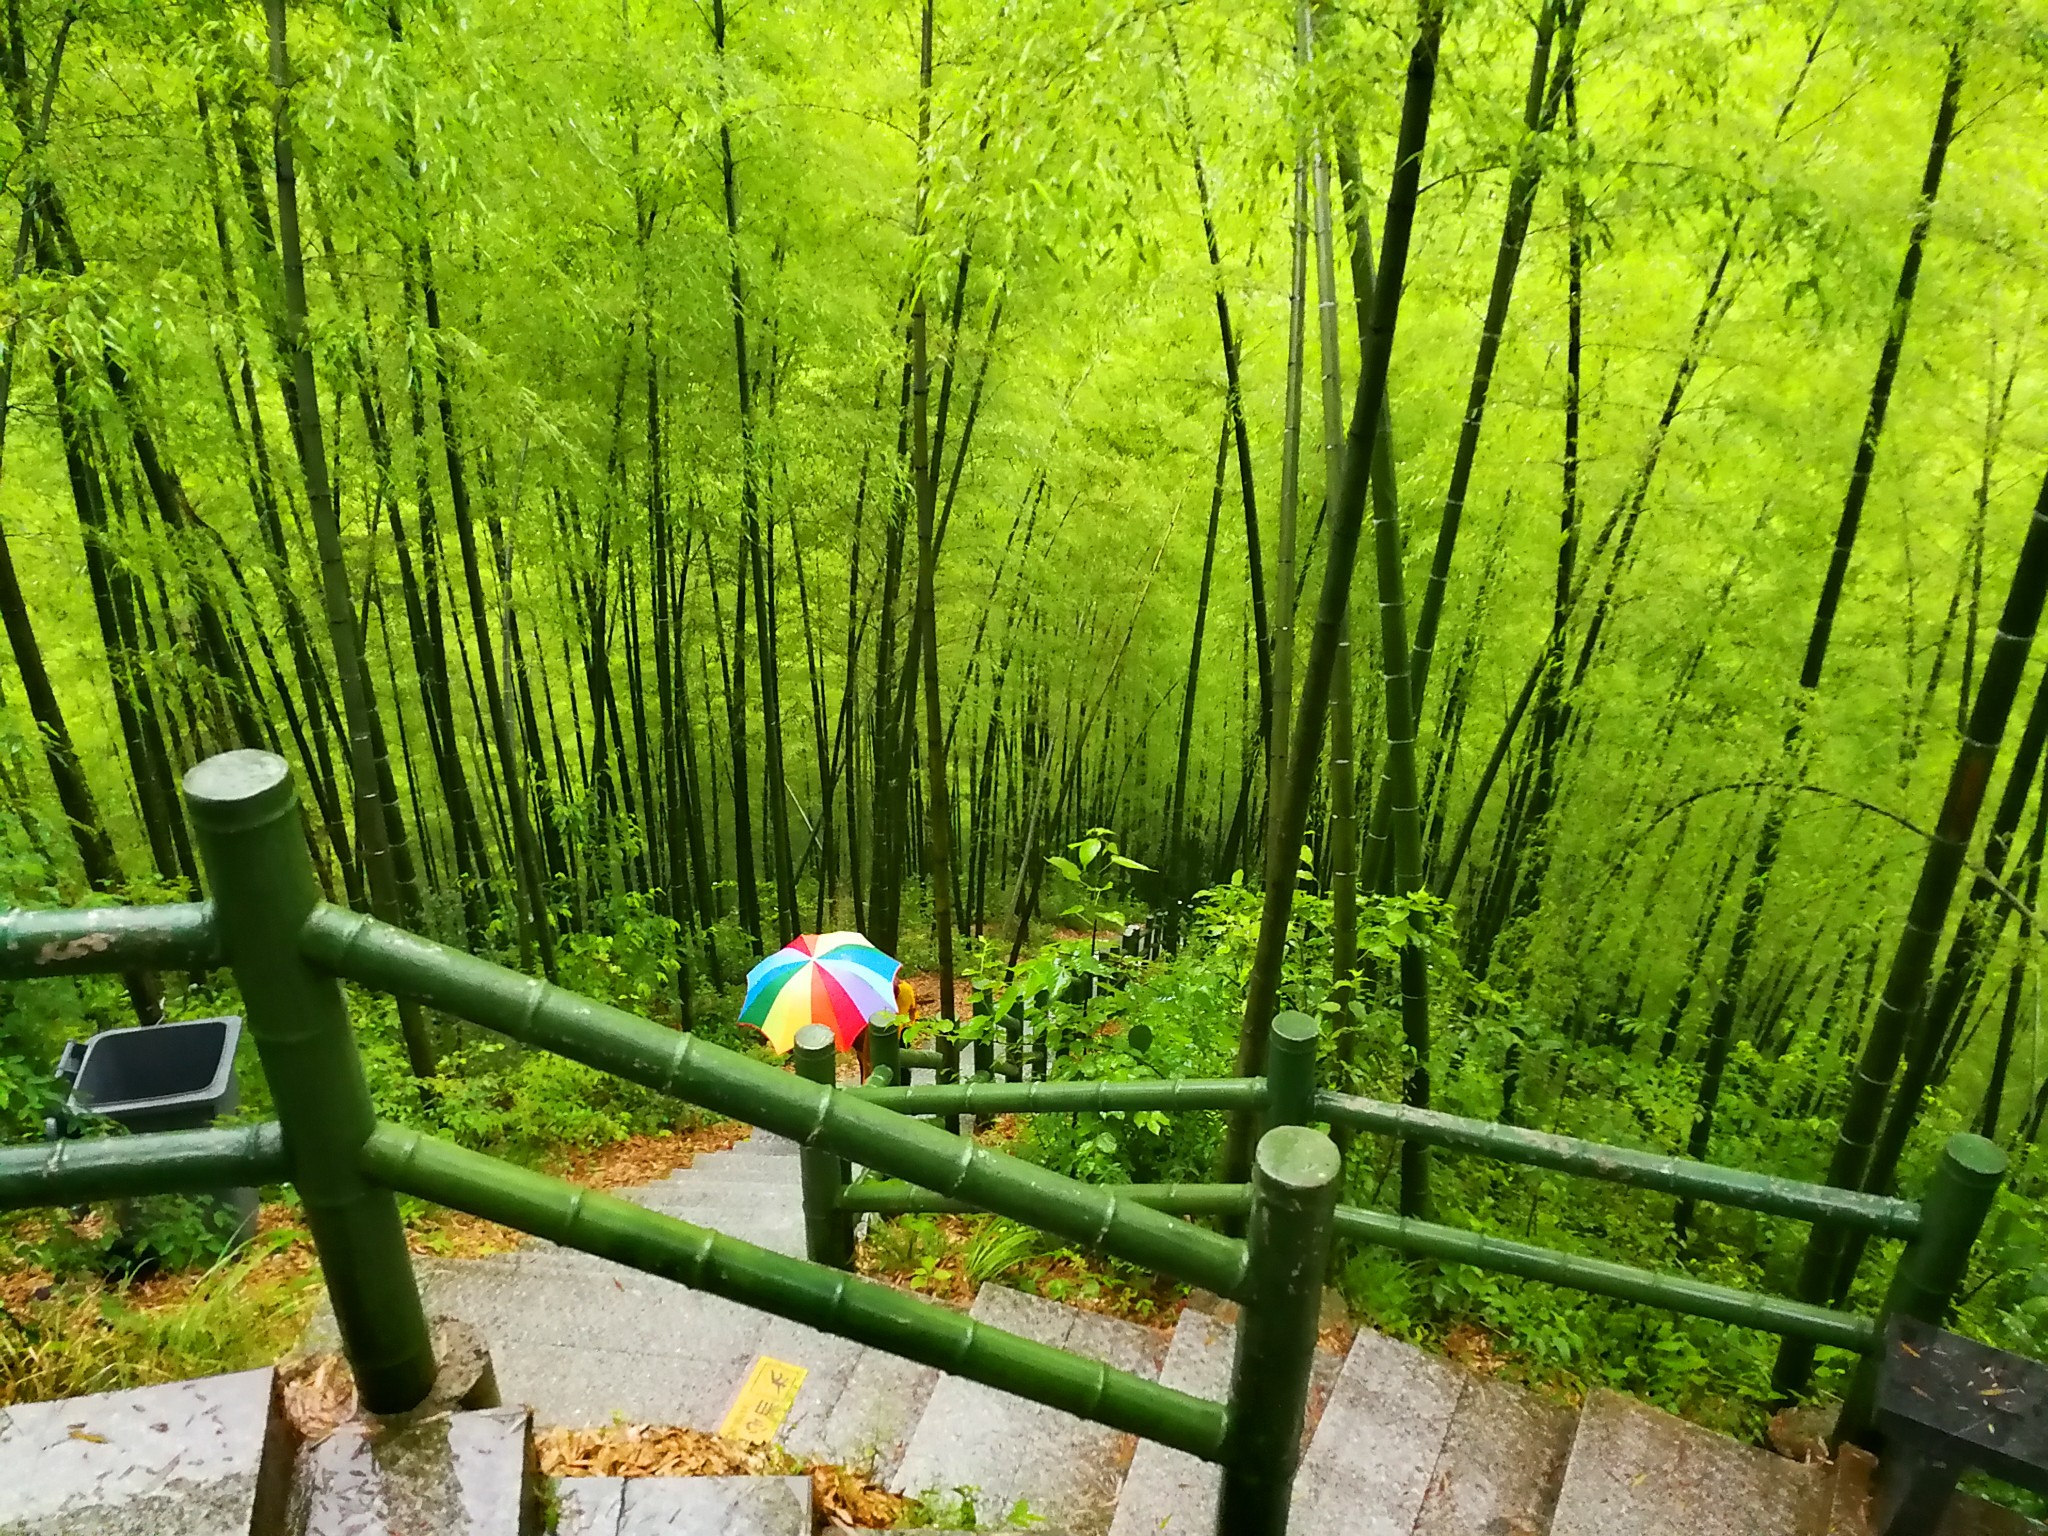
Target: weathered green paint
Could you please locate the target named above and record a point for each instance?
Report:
(1622, 1165)
(699, 1072)
(845, 1305)
(1295, 1174)
(828, 1230)
(178, 936)
(1935, 1263)
(246, 818)
(159, 1163)
(1066, 1098)
(893, 1197)
(1291, 1069)
(1603, 1277)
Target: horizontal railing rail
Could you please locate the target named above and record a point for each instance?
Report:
(178, 936)
(61, 1173)
(1070, 1097)
(1605, 1277)
(847, 1306)
(1876, 1214)
(893, 1197)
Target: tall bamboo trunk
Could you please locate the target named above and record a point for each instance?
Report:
(1181, 867)
(1345, 524)
(358, 699)
(1913, 961)
(1741, 949)
(1262, 626)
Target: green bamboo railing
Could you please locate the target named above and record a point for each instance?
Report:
(893, 1197)
(156, 1163)
(289, 951)
(174, 937)
(1065, 1098)
(876, 1314)
(1875, 1214)
(1603, 1277)
(698, 1072)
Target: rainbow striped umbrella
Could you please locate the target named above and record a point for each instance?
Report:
(836, 979)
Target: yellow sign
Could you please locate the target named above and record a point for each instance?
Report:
(764, 1401)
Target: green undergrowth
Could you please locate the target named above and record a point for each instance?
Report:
(951, 1257)
(1596, 1077)
(235, 1315)
(81, 1310)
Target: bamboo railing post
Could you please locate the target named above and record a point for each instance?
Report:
(1933, 1265)
(245, 812)
(1291, 1069)
(885, 1047)
(1295, 1172)
(1013, 1040)
(828, 1231)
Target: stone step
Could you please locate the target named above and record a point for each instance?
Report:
(444, 1474)
(683, 1506)
(723, 1194)
(1637, 1471)
(1371, 1462)
(1169, 1492)
(857, 1406)
(1010, 1451)
(210, 1457)
(581, 1340)
(751, 1173)
(760, 1144)
(1501, 1464)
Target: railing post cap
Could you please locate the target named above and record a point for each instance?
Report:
(1297, 1027)
(1297, 1157)
(816, 1037)
(243, 788)
(1977, 1159)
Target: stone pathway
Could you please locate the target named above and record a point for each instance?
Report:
(1402, 1443)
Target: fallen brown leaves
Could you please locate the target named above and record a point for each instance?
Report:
(319, 1393)
(1473, 1348)
(643, 1159)
(839, 1494)
(652, 1450)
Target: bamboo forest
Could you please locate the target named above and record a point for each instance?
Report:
(1515, 528)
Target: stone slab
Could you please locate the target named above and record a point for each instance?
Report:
(461, 1474)
(536, 1302)
(761, 1144)
(1169, 1492)
(589, 1506)
(209, 1457)
(871, 1422)
(1636, 1471)
(1009, 1450)
(579, 1388)
(716, 1506)
(1501, 1464)
(1370, 1464)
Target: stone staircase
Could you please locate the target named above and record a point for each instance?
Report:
(1402, 1443)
